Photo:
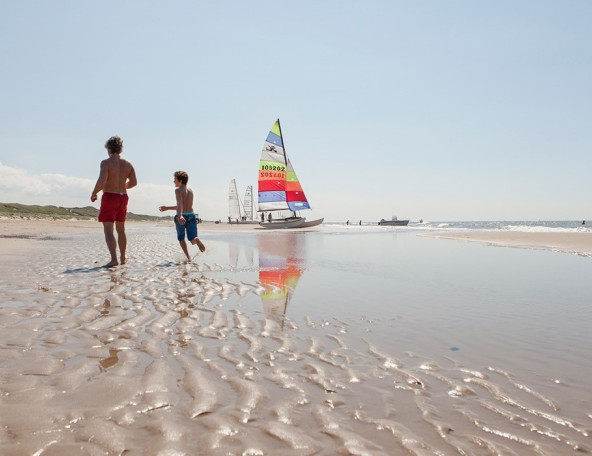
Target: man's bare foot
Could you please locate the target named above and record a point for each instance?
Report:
(111, 264)
(196, 241)
(122, 260)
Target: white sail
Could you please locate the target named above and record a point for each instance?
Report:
(249, 203)
(234, 203)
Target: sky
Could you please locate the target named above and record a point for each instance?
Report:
(434, 110)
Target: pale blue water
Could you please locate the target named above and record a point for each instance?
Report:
(528, 226)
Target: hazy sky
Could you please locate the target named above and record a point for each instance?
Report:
(441, 110)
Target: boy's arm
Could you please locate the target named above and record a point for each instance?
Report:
(179, 207)
(100, 181)
(167, 208)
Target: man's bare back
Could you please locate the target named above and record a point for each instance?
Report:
(116, 176)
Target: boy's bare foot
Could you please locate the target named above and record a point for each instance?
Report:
(111, 264)
(196, 241)
(122, 260)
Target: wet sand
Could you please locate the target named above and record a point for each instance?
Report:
(163, 357)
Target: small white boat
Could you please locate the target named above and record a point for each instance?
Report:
(394, 221)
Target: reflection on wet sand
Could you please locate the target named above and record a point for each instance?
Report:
(280, 266)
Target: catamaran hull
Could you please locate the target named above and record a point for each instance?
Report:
(299, 222)
(312, 223)
(287, 223)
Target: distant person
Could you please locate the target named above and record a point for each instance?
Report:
(115, 178)
(360, 223)
(185, 219)
(262, 216)
(583, 222)
(269, 217)
(347, 223)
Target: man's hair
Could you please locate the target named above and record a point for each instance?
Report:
(182, 177)
(114, 145)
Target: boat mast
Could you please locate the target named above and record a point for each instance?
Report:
(283, 144)
(285, 155)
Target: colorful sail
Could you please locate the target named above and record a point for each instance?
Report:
(279, 188)
(294, 194)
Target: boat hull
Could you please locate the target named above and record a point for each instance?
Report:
(299, 222)
(283, 223)
(312, 223)
(393, 222)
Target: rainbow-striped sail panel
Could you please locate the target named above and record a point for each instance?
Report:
(279, 188)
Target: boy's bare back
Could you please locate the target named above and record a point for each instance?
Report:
(185, 197)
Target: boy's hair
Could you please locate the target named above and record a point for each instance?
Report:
(114, 145)
(182, 177)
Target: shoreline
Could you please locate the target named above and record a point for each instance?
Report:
(16, 233)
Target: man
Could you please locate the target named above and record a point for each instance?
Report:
(116, 177)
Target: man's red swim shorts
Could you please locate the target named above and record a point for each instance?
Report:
(113, 207)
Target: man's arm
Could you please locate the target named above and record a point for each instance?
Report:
(131, 179)
(100, 181)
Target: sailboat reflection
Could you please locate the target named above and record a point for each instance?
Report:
(281, 263)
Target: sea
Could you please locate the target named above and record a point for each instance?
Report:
(345, 340)
(523, 226)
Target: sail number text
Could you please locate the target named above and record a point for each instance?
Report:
(273, 168)
(278, 174)
(272, 171)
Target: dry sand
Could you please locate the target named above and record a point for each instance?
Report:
(571, 242)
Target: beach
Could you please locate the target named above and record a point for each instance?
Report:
(330, 341)
(569, 242)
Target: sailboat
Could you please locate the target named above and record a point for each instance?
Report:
(279, 188)
(249, 203)
(237, 211)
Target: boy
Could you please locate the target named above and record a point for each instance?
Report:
(185, 220)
